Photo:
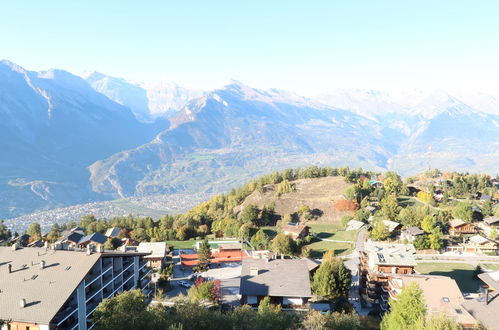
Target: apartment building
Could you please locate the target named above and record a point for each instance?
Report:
(60, 289)
(378, 262)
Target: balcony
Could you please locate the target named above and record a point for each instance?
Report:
(144, 271)
(65, 313)
(92, 290)
(68, 323)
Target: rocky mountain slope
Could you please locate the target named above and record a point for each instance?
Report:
(67, 140)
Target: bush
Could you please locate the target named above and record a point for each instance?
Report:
(346, 205)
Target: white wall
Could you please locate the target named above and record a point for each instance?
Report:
(292, 301)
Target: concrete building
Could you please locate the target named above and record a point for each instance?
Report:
(378, 262)
(59, 289)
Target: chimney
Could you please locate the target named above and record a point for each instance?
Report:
(22, 303)
(89, 250)
(14, 247)
(10, 268)
(100, 248)
(254, 271)
(42, 264)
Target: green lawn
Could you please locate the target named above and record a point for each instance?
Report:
(491, 266)
(333, 231)
(318, 248)
(461, 273)
(181, 244)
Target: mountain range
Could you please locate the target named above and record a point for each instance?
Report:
(67, 139)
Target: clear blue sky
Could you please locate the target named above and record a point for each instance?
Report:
(306, 46)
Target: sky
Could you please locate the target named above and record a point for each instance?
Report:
(305, 46)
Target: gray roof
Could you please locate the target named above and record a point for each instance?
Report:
(381, 253)
(74, 237)
(113, 232)
(46, 293)
(487, 314)
(491, 220)
(312, 263)
(414, 231)
(157, 249)
(95, 237)
(277, 278)
(491, 279)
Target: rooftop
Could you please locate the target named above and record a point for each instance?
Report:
(276, 277)
(390, 254)
(157, 249)
(414, 231)
(293, 228)
(391, 225)
(442, 295)
(45, 290)
(113, 232)
(487, 314)
(491, 279)
(491, 220)
(456, 223)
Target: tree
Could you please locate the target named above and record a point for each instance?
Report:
(203, 291)
(282, 244)
(250, 214)
(393, 183)
(424, 196)
(409, 217)
(346, 205)
(204, 255)
(54, 233)
(379, 232)
(493, 233)
(305, 212)
(487, 208)
(435, 239)
(315, 320)
(389, 207)
(428, 223)
(441, 322)
(260, 240)
(332, 280)
(34, 231)
(4, 232)
(463, 211)
(112, 244)
(407, 311)
(125, 311)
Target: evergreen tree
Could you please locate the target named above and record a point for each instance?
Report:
(332, 280)
(463, 211)
(204, 254)
(260, 240)
(379, 232)
(34, 231)
(389, 207)
(282, 244)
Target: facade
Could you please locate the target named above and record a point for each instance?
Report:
(379, 262)
(59, 289)
(285, 281)
(476, 244)
(458, 227)
(157, 253)
(441, 295)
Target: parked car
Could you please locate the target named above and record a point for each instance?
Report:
(185, 284)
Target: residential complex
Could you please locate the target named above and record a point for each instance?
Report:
(44, 288)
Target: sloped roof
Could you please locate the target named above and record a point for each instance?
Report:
(296, 229)
(391, 225)
(491, 220)
(414, 231)
(477, 239)
(354, 225)
(157, 249)
(390, 254)
(312, 263)
(277, 277)
(45, 290)
(442, 295)
(113, 232)
(94, 237)
(487, 314)
(491, 279)
(457, 223)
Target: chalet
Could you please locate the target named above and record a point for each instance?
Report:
(488, 224)
(157, 253)
(441, 295)
(112, 232)
(458, 227)
(285, 281)
(410, 233)
(485, 308)
(476, 244)
(379, 261)
(392, 226)
(296, 231)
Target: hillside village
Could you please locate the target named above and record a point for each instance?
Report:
(311, 248)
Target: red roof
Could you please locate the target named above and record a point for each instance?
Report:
(190, 260)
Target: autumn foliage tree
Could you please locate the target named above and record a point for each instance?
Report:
(346, 205)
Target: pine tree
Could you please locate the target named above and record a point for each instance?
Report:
(407, 311)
